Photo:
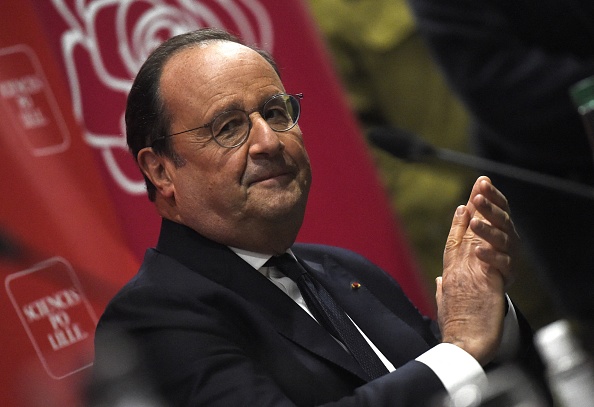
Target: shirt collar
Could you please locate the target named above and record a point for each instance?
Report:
(254, 259)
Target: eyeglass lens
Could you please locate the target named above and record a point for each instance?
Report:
(281, 112)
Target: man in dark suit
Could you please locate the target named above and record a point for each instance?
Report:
(216, 137)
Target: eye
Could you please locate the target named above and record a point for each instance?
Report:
(277, 115)
(230, 126)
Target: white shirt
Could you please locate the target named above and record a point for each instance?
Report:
(451, 364)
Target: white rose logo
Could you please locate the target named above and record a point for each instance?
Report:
(106, 42)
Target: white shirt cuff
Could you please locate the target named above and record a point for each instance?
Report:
(454, 367)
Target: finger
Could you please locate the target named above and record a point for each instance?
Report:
(496, 230)
(476, 190)
(499, 238)
(497, 262)
(487, 189)
(493, 214)
(459, 226)
(438, 290)
(496, 248)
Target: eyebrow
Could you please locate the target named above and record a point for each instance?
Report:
(235, 105)
(231, 106)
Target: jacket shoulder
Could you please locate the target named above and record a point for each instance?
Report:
(318, 252)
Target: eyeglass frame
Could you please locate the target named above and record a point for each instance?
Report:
(296, 96)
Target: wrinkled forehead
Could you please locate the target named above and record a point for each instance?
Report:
(198, 76)
(211, 60)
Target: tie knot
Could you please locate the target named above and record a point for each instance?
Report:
(287, 264)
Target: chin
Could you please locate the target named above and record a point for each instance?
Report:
(282, 211)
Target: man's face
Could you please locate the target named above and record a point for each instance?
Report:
(253, 196)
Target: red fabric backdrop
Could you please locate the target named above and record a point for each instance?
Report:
(74, 201)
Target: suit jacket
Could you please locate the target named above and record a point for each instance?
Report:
(216, 332)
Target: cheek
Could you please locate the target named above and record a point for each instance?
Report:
(212, 182)
(296, 149)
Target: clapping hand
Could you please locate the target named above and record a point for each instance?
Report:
(477, 270)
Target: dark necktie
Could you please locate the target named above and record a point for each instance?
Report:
(330, 315)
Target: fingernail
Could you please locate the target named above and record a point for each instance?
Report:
(460, 210)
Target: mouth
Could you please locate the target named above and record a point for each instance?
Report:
(272, 178)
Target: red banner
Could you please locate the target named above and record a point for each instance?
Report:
(75, 220)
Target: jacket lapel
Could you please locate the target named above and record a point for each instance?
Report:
(290, 320)
(380, 325)
(219, 264)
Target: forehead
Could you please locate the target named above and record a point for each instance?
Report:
(211, 53)
(216, 70)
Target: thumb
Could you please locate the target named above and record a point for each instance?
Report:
(438, 291)
(458, 229)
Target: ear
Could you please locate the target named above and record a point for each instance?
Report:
(155, 167)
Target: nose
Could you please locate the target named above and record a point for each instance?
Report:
(262, 139)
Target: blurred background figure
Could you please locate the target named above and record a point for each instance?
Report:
(512, 64)
(392, 80)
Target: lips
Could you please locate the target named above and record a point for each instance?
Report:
(261, 173)
(256, 178)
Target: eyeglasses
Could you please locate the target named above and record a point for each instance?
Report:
(231, 128)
